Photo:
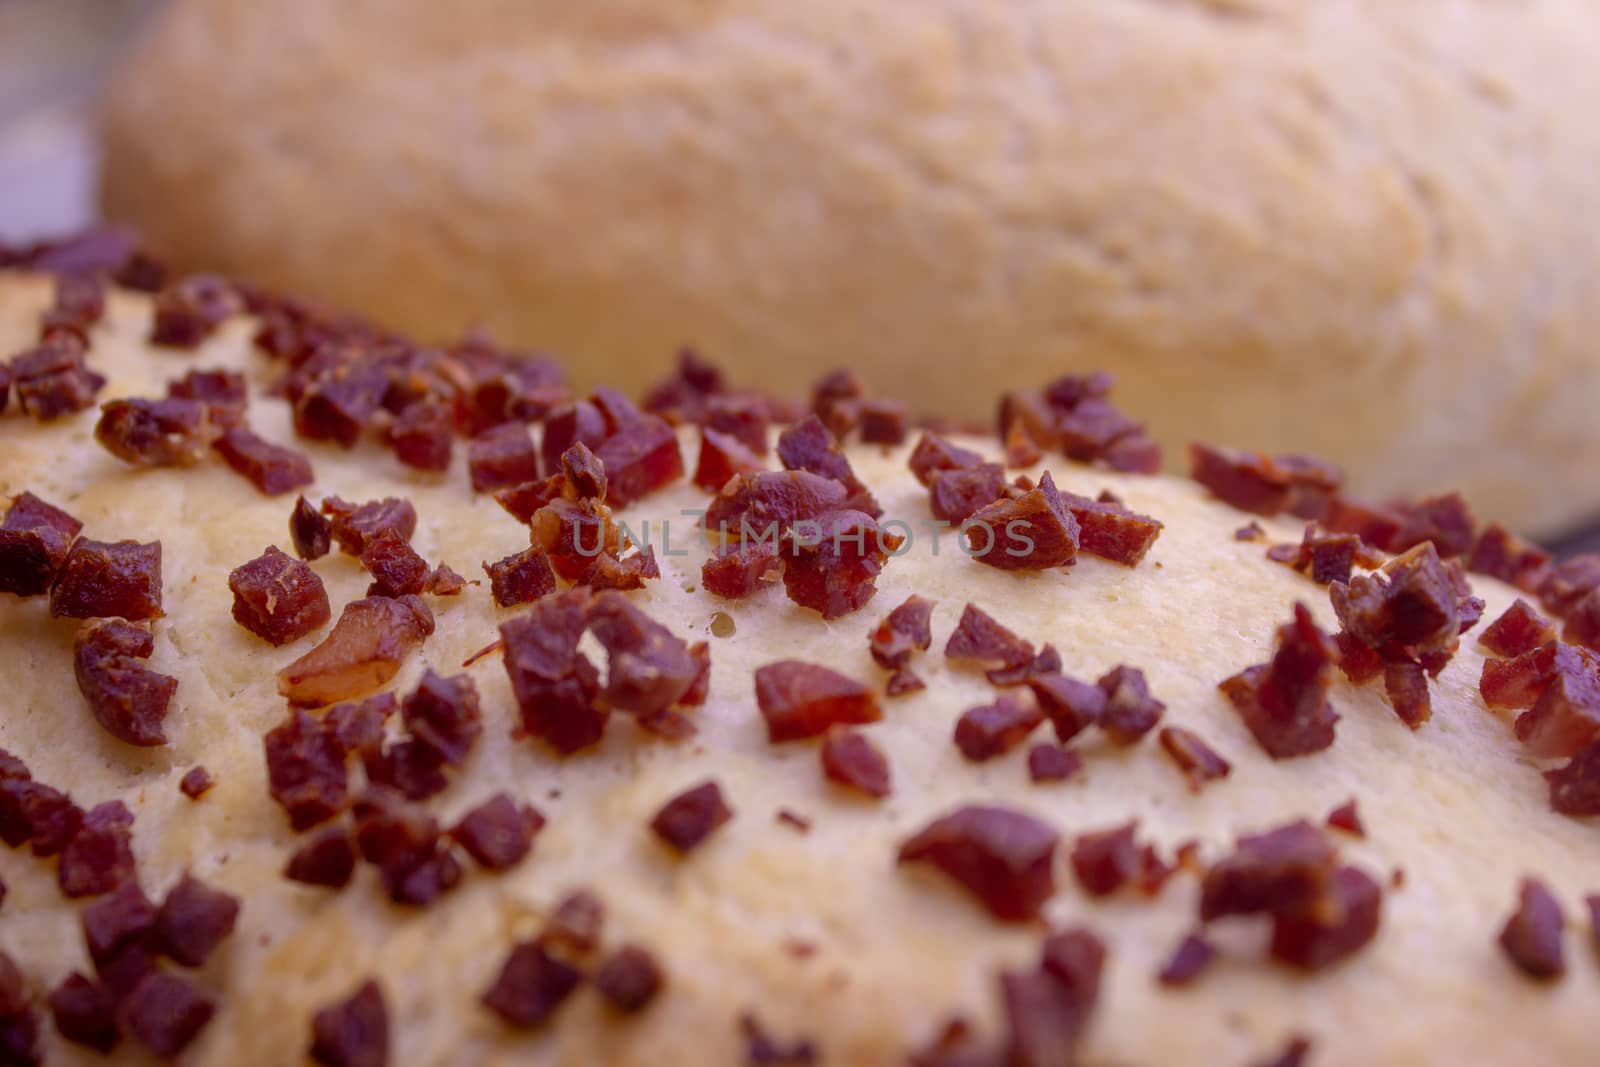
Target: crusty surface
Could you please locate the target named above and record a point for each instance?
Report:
(1348, 227)
(1453, 804)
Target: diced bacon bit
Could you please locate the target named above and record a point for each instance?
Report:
(1582, 625)
(1444, 520)
(760, 506)
(991, 730)
(353, 1032)
(585, 474)
(306, 771)
(35, 538)
(629, 978)
(1198, 761)
(501, 457)
(1377, 526)
(851, 759)
(354, 526)
(442, 714)
(556, 687)
(567, 426)
(272, 469)
(278, 598)
(1325, 557)
(498, 833)
(362, 651)
(194, 919)
(1519, 682)
(836, 401)
(505, 386)
(1047, 1008)
(1002, 857)
(739, 570)
(99, 856)
(651, 669)
(413, 859)
(809, 446)
(525, 501)
(1188, 962)
(626, 573)
(1566, 715)
(120, 919)
(978, 638)
(883, 422)
(1072, 414)
(225, 393)
(33, 811)
(576, 924)
(690, 817)
(933, 454)
(1111, 531)
(1531, 937)
(423, 436)
(327, 859)
(85, 1013)
(1575, 785)
(1346, 817)
(1284, 702)
(1342, 922)
(745, 417)
(521, 579)
(800, 700)
(1250, 531)
(640, 454)
(1051, 763)
(1358, 662)
(1520, 629)
(1104, 862)
(1130, 711)
(1501, 554)
(904, 632)
(1070, 705)
(1286, 870)
(53, 379)
(681, 397)
(442, 581)
(954, 496)
(396, 568)
(336, 401)
(102, 579)
(311, 533)
(1406, 684)
(196, 783)
(165, 1014)
(1568, 583)
(78, 303)
(1033, 531)
(129, 700)
(190, 310)
(408, 767)
(1020, 449)
(833, 569)
(722, 456)
(1262, 484)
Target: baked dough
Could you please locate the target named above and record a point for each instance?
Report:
(1353, 229)
(896, 950)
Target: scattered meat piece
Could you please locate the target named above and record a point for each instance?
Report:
(1250, 481)
(1071, 705)
(1326, 557)
(1501, 554)
(1346, 817)
(629, 978)
(85, 1013)
(442, 581)
(327, 859)
(1130, 711)
(1111, 531)
(836, 401)
(404, 843)
(796, 821)
(690, 817)
(1519, 682)
(1293, 1055)
(1002, 857)
(1052, 763)
(1198, 761)
(1583, 622)
(106, 580)
(357, 726)
(521, 578)
(196, 782)
(1034, 531)
(306, 772)
(272, 469)
(1286, 870)
(808, 445)
(850, 758)
(19, 1024)
(979, 638)
(194, 919)
(354, 526)
(1566, 715)
(745, 417)
(761, 1049)
(278, 598)
(760, 506)
(191, 309)
(35, 538)
(524, 501)
(498, 833)
(407, 766)
(1444, 520)
(502, 456)
(682, 396)
(1568, 582)
(531, 985)
(630, 572)
(799, 700)
(1531, 937)
(1190, 960)
(311, 533)
(954, 496)
(640, 458)
(574, 533)
(362, 651)
(1520, 629)
(933, 454)
(79, 302)
(336, 401)
(1343, 921)
(991, 730)
(568, 425)
(651, 669)
(122, 917)
(1406, 684)
(1047, 1008)
(53, 379)
(903, 632)
(99, 857)
(739, 570)
(722, 456)
(833, 570)
(1250, 531)
(353, 1032)
(155, 433)
(129, 700)
(423, 436)
(883, 422)
(576, 924)
(1575, 785)
(1284, 702)
(1106, 861)
(396, 568)
(555, 687)
(1412, 601)
(165, 1014)
(33, 811)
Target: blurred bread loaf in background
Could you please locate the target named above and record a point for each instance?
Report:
(1362, 229)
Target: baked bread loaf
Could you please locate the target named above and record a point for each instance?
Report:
(785, 928)
(1344, 229)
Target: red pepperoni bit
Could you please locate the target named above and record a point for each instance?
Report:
(502, 457)
(1104, 862)
(354, 526)
(104, 580)
(395, 566)
(1445, 521)
(1531, 937)
(1188, 962)
(306, 771)
(33, 811)
(196, 783)
(526, 500)
(574, 533)
(567, 426)
(1284, 702)
(685, 821)
(836, 401)
(629, 978)
(761, 506)
(800, 700)
(1407, 687)
(363, 651)
(19, 1026)
(1130, 711)
(954, 496)
(1519, 682)
(1326, 557)
(99, 856)
(1111, 531)
(35, 538)
(722, 456)
(442, 714)
(883, 422)
(336, 402)
(507, 387)
(121, 919)
(1048, 1008)
(744, 417)
(904, 632)
(1198, 761)
(1052, 763)
(1566, 715)
(53, 380)
(353, 1032)
(1072, 414)
(1377, 526)
(194, 919)
(498, 833)
(311, 533)
(531, 985)
(408, 767)
(414, 861)
(278, 598)
(128, 699)
(851, 759)
(1346, 817)
(521, 579)
(1250, 481)
(933, 454)
(1002, 857)
(555, 687)
(1501, 554)
(833, 569)
(155, 433)
(980, 639)
(1520, 629)
(1286, 870)
(165, 1014)
(809, 446)
(682, 396)
(85, 1013)
(576, 925)
(272, 469)
(1033, 531)
(1575, 785)
(423, 436)
(991, 730)
(1070, 705)
(651, 669)
(630, 572)
(640, 457)
(225, 394)
(327, 859)
(1343, 921)
(79, 302)
(191, 309)
(1568, 583)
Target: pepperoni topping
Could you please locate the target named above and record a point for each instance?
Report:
(1188, 962)
(682, 397)
(1566, 716)
(651, 669)
(1412, 602)
(1130, 711)
(353, 1032)
(576, 925)
(1048, 1008)
(190, 310)
(1519, 682)
(423, 436)
(99, 857)
(1344, 920)
(225, 393)
(1104, 862)
(574, 533)
(35, 538)
(194, 919)
(521, 579)
(1262, 484)
(278, 598)
(567, 426)
(327, 859)
(991, 730)
(363, 651)
(1033, 531)
(722, 456)
(1072, 414)
(760, 506)
(739, 570)
(629, 978)
(354, 526)
(883, 422)
(498, 833)
(53, 380)
(607, 571)
(640, 456)
(1531, 937)
(1002, 857)
(809, 446)
(1111, 531)
(501, 457)
(1568, 583)
(129, 700)
(1052, 763)
(1519, 630)
(104, 580)
(1346, 817)
(836, 401)
(851, 759)
(833, 569)
(413, 859)
(122, 917)
(196, 783)
(685, 821)
(904, 632)
(165, 1014)
(1286, 870)
(155, 433)
(933, 454)
(272, 469)
(1445, 521)
(85, 1013)
(555, 687)
(79, 302)
(980, 639)
(800, 700)
(1198, 761)
(1501, 554)
(954, 496)
(311, 533)
(396, 568)
(524, 501)
(306, 771)
(1284, 702)
(335, 401)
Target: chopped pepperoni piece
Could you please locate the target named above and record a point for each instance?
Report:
(442, 714)
(354, 526)
(407, 766)
(1343, 921)
(155, 433)
(1198, 761)
(35, 538)
(1188, 962)
(761, 506)
(799, 700)
(120, 918)
(651, 669)
(1106, 861)
(1412, 601)
(1406, 684)
(1575, 785)
(521, 579)
(191, 309)
(1111, 531)
(1284, 870)
(682, 396)
(33, 811)
(555, 687)
(954, 496)
(1377, 526)
(1501, 554)
(311, 533)
(272, 469)
(576, 925)
(629, 572)
(574, 533)
(1052, 763)
(85, 1013)
(1566, 715)
(883, 422)
(567, 426)
(53, 380)
(991, 730)
(904, 632)
(306, 771)
(1070, 705)
(19, 1024)
(722, 456)
(1346, 817)
(525, 501)
(834, 568)
(353, 1032)
(498, 833)
(1047, 1008)
(327, 859)
(1284, 702)
(690, 817)
(1569, 582)
(128, 698)
(1445, 521)
(979, 638)
(501, 457)
(336, 402)
(99, 857)
(1531, 937)
(1519, 682)
(278, 598)
(809, 446)
(629, 978)
(836, 401)
(413, 859)
(933, 454)
(1002, 857)
(1520, 629)
(362, 651)
(196, 783)
(396, 568)
(194, 919)
(1250, 481)
(165, 1014)
(640, 457)
(1034, 531)
(105, 580)
(423, 436)
(79, 302)
(850, 758)
(1130, 711)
